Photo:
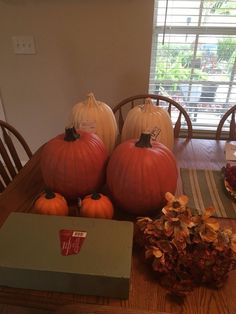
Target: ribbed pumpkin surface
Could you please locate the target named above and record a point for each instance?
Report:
(50, 203)
(139, 177)
(100, 116)
(148, 118)
(74, 168)
(97, 205)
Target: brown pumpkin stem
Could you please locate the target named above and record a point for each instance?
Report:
(49, 194)
(95, 196)
(71, 135)
(144, 141)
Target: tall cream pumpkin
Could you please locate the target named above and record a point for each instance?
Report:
(96, 117)
(149, 118)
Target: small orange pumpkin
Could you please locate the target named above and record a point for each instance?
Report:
(96, 205)
(50, 203)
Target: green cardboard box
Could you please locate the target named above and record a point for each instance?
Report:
(32, 248)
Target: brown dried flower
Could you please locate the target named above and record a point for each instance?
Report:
(186, 249)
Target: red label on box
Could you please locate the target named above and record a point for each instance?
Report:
(71, 241)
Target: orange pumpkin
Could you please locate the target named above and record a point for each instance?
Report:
(139, 174)
(74, 163)
(50, 203)
(96, 205)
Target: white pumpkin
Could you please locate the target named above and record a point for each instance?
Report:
(149, 118)
(97, 117)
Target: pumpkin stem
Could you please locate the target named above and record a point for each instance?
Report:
(95, 196)
(49, 194)
(144, 141)
(148, 105)
(92, 100)
(71, 135)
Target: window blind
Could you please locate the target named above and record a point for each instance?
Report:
(194, 57)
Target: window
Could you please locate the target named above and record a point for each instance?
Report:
(194, 57)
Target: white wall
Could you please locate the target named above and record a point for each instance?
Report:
(103, 46)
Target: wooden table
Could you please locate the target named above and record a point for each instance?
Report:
(146, 296)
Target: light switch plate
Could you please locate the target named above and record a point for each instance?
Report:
(23, 44)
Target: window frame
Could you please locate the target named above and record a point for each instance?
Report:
(163, 30)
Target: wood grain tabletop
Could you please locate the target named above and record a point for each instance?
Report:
(146, 295)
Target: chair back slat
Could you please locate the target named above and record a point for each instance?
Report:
(7, 160)
(232, 127)
(2, 187)
(121, 120)
(4, 175)
(177, 126)
(169, 109)
(231, 134)
(12, 150)
(10, 162)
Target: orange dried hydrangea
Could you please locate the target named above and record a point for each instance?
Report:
(186, 249)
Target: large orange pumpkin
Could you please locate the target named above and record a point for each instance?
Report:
(73, 164)
(139, 175)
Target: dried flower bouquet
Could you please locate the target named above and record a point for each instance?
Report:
(185, 249)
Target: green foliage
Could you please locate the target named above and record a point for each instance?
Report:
(174, 64)
(222, 7)
(215, 6)
(226, 48)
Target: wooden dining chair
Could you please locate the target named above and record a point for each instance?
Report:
(178, 114)
(11, 143)
(228, 133)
